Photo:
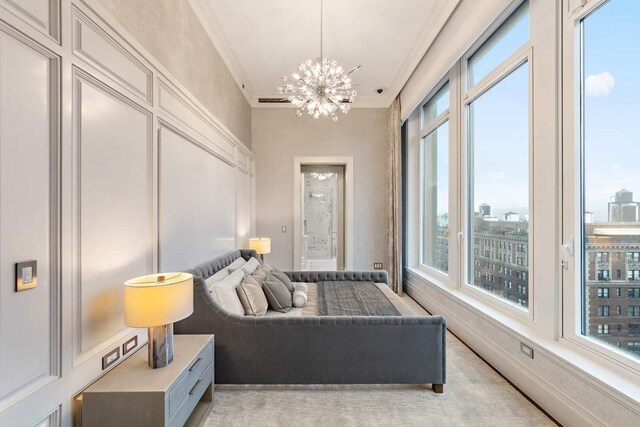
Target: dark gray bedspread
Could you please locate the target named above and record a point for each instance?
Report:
(349, 298)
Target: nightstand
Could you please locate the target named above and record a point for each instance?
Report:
(133, 394)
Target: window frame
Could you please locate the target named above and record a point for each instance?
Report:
(523, 55)
(573, 262)
(448, 115)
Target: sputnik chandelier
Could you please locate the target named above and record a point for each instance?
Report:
(320, 87)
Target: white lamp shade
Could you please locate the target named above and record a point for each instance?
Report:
(262, 245)
(158, 299)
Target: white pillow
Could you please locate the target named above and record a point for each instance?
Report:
(239, 262)
(225, 294)
(300, 295)
(251, 266)
(216, 278)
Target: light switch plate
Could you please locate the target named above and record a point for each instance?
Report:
(284, 228)
(26, 275)
(110, 358)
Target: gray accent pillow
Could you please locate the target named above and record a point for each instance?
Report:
(283, 278)
(252, 297)
(277, 294)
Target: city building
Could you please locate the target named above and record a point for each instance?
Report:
(613, 284)
(500, 257)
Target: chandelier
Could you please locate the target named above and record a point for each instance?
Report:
(320, 87)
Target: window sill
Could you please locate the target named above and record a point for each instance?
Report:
(619, 381)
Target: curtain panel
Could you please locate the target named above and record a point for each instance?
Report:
(394, 198)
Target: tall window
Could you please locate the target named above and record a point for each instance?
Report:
(435, 186)
(610, 96)
(497, 105)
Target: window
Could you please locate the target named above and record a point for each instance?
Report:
(603, 310)
(507, 39)
(634, 329)
(633, 310)
(633, 293)
(603, 329)
(605, 87)
(497, 142)
(603, 275)
(435, 187)
(603, 292)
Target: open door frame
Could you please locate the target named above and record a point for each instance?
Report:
(347, 163)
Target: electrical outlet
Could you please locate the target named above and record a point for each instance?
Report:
(110, 358)
(526, 350)
(377, 266)
(129, 345)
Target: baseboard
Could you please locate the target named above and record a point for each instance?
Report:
(560, 405)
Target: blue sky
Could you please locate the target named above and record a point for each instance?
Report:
(612, 103)
(499, 123)
(612, 115)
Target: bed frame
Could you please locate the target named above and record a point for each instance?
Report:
(317, 350)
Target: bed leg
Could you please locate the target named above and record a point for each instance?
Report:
(437, 388)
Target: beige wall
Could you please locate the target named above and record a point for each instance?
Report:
(171, 32)
(279, 135)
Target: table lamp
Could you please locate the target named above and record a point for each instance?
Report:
(262, 245)
(155, 302)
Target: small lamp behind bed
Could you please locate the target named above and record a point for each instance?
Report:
(262, 245)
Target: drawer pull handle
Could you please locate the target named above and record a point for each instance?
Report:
(195, 364)
(195, 386)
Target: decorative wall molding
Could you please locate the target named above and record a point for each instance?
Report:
(80, 78)
(44, 17)
(178, 107)
(39, 381)
(97, 52)
(96, 47)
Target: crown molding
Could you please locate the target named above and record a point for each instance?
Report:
(419, 49)
(208, 20)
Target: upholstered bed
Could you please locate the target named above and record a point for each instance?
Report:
(303, 348)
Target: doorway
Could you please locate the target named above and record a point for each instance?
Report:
(322, 214)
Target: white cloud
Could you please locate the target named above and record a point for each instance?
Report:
(599, 84)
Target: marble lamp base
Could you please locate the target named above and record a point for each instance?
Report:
(160, 346)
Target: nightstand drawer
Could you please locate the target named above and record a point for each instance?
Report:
(186, 383)
(194, 395)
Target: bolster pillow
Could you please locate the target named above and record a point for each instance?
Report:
(300, 295)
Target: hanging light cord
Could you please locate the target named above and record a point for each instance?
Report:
(321, 56)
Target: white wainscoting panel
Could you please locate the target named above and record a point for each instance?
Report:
(27, 221)
(42, 15)
(109, 169)
(98, 48)
(244, 206)
(113, 146)
(196, 203)
(173, 104)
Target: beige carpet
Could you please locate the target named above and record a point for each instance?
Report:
(475, 395)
